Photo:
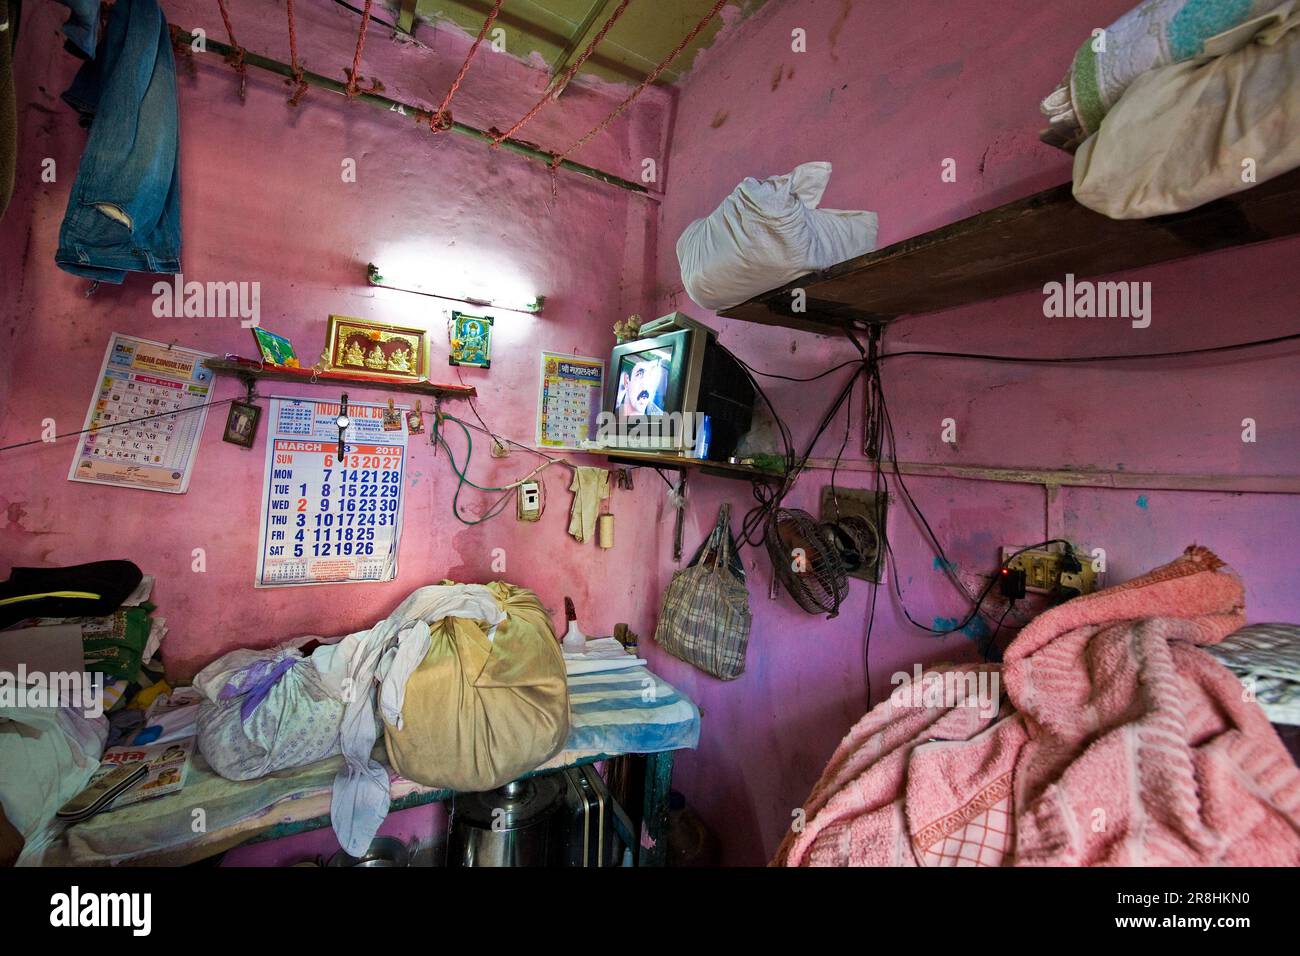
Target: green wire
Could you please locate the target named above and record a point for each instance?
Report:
(462, 480)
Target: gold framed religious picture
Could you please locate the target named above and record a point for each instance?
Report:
(376, 349)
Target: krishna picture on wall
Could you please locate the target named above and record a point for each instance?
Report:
(376, 349)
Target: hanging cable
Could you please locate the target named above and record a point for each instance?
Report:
(300, 85)
(563, 80)
(354, 75)
(1090, 359)
(129, 421)
(236, 55)
(663, 65)
(441, 119)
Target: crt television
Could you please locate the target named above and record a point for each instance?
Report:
(676, 390)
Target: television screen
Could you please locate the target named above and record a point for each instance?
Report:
(643, 382)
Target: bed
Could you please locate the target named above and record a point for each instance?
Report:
(611, 714)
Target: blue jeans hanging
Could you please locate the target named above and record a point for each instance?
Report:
(124, 214)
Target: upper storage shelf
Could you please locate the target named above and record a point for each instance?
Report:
(251, 371)
(1017, 247)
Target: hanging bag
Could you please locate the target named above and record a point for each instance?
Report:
(705, 617)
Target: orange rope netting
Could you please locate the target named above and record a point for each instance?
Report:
(236, 55)
(354, 74)
(300, 85)
(441, 119)
(604, 124)
(564, 79)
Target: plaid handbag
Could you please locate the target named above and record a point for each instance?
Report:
(705, 617)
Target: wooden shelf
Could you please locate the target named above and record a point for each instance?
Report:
(721, 469)
(1017, 247)
(253, 371)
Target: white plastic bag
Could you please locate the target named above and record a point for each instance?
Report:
(1186, 134)
(264, 711)
(768, 233)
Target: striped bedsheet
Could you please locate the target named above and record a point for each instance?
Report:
(629, 711)
(611, 713)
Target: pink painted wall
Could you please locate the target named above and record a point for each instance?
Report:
(885, 93)
(264, 201)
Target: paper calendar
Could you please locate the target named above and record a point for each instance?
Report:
(325, 519)
(133, 439)
(570, 399)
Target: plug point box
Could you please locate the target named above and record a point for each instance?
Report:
(529, 504)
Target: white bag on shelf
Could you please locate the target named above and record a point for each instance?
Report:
(767, 233)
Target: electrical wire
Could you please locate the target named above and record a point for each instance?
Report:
(462, 478)
(791, 378)
(129, 421)
(993, 638)
(1081, 359)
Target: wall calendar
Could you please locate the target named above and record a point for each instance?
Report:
(139, 431)
(325, 519)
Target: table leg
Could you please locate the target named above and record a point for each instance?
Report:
(653, 850)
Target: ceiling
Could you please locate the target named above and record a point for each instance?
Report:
(560, 30)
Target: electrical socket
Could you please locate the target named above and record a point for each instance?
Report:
(1044, 572)
(529, 505)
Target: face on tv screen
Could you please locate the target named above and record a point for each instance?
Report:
(643, 382)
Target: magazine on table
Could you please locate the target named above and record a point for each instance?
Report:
(169, 763)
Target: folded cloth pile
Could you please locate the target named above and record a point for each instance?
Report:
(1120, 742)
(1180, 102)
(1193, 132)
(1266, 658)
(1154, 34)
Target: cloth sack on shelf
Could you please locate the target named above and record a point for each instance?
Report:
(1154, 34)
(486, 704)
(705, 617)
(263, 711)
(1190, 133)
(767, 233)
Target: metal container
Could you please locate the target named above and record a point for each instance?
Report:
(382, 852)
(514, 825)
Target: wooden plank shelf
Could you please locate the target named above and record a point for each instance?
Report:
(253, 371)
(1016, 247)
(721, 469)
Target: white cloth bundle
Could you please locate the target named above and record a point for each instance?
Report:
(768, 233)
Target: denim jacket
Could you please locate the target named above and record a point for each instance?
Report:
(124, 213)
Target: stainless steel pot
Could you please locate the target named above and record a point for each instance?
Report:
(383, 851)
(514, 825)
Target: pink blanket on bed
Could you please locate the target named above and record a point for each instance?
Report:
(1120, 742)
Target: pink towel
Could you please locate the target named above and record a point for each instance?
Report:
(1121, 743)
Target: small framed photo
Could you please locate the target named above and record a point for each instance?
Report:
(274, 349)
(241, 424)
(471, 340)
(376, 349)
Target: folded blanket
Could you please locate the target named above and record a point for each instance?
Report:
(1128, 745)
(1153, 34)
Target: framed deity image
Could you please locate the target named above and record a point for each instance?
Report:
(376, 349)
(471, 340)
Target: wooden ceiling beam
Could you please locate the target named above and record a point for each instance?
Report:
(600, 9)
(406, 16)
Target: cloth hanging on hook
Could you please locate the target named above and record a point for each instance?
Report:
(590, 487)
